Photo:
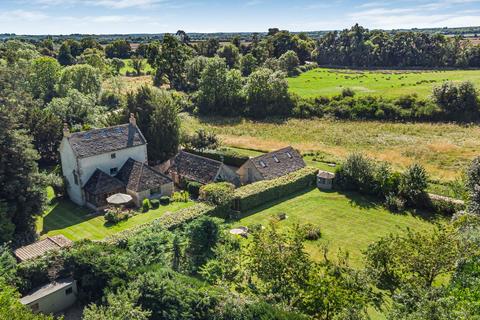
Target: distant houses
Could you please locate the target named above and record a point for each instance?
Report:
(101, 162)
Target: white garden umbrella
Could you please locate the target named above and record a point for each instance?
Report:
(119, 198)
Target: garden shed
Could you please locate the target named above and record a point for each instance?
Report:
(52, 298)
(325, 180)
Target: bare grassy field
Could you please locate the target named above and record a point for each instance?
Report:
(444, 149)
(126, 84)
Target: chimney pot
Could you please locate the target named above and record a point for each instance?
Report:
(66, 130)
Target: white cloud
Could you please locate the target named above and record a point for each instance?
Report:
(23, 15)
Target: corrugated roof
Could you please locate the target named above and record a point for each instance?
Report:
(39, 248)
(106, 140)
(46, 290)
(278, 163)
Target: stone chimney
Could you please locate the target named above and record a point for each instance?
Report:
(66, 130)
(132, 120)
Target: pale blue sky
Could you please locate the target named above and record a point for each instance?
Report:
(157, 16)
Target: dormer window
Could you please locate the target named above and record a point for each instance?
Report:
(276, 159)
(113, 155)
(263, 164)
(113, 171)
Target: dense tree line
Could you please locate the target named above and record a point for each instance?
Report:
(359, 47)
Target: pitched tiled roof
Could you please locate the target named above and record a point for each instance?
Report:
(100, 183)
(278, 163)
(106, 140)
(39, 248)
(325, 175)
(193, 167)
(138, 176)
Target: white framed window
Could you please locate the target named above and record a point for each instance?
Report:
(113, 171)
(263, 164)
(113, 155)
(69, 291)
(289, 155)
(276, 159)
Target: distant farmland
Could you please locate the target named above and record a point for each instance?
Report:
(330, 82)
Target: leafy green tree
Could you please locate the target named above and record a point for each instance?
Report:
(208, 48)
(459, 102)
(267, 94)
(231, 54)
(137, 64)
(44, 76)
(157, 116)
(8, 265)
(65, 57)
(203, 235)
(473, 186)
(46, 130)
(120, 306)
(172, 296)
(289, 62)
(90, 43)
(220, 89)
(118, 49)
(248, 64)
(11, 308)
(413, 185)
(194, 69)
(22, 190)
(74, 108)
(17, 52)
(84, 78)
(201, 140)
(171, 62)
(94, 58)
(117, 65)
(7, 228)
(150, 246)
(417, 258)
(278, 265)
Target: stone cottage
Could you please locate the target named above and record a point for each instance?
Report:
(187, 166)
(101, 162)
(271, 165)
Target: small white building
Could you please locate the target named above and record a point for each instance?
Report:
(52, 298)
(91, 161)
(325, 180)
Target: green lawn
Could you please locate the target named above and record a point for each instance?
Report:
(330, 82)
(76, 223)
(347, 221)
(128, 67)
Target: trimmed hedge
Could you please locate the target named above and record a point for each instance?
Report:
(169, 220)
(230, 158)
(258, 193)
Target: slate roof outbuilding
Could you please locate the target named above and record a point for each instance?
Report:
(99, 141)
(39, 248)
(138, 176)
(194, 167)
(278, 163)
(100, 183)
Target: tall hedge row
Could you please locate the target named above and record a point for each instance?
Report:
(258, 193)
(169, 220)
